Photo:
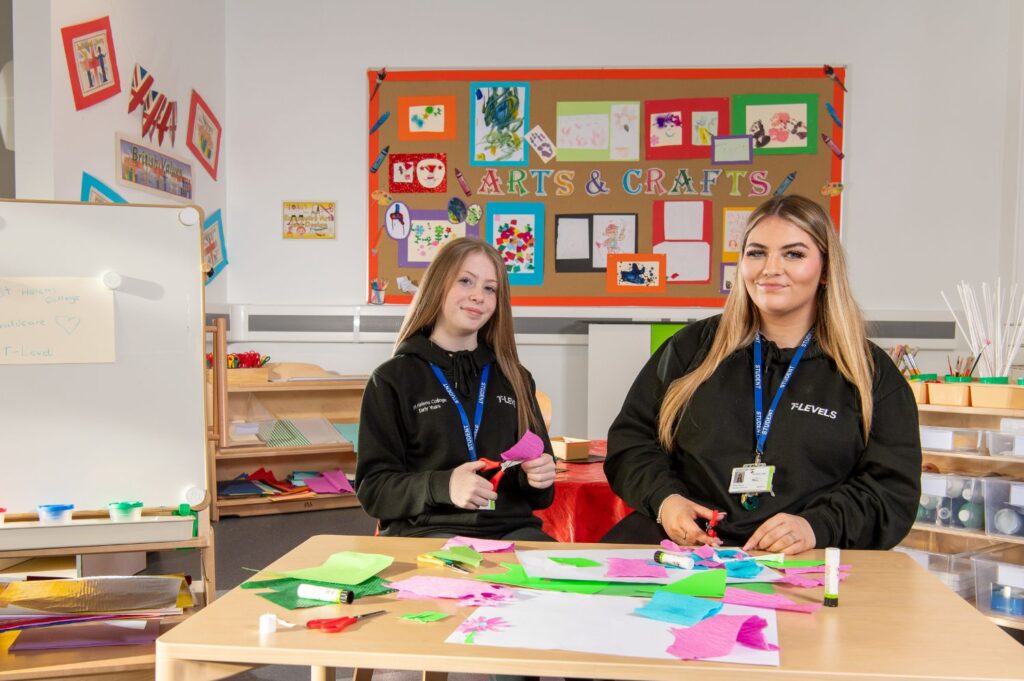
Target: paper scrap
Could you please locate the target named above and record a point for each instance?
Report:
(530, 446)
(339, 480)
(770, 601)
(345, 567)
(516, 576)
(710, 583)
(634, 567)
(460, 554)
(747, 569)
(705, 552)
(678, 608)
(423, 587)
(577, 562)
(481, 545)
(425, 616)
(788, 564)
(717, 636)
(670, 545)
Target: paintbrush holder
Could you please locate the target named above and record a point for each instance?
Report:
(954, 391)
(920, 390)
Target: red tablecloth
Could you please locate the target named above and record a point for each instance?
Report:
(585, 506)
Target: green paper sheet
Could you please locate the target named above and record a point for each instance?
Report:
(425, 616)
(460, 554)
(759, 587)
(791, 563)
(709, 583)
(345, 567)
(576, 562)
(371, 587)
(516, 576)
(630, 589)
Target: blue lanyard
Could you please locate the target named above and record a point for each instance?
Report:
(761, 429)
(478, 417)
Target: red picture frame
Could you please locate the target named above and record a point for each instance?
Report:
(204, 133)
(92, 62)
(681, 114)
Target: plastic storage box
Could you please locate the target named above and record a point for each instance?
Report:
(997, 396)
(955, 570)
(999, 582)
(951, 439)
(952, 501)
(950, 394)
(998, 443)
(1004, 510)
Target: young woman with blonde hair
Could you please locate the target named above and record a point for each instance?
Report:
(778, 413)
(453, 396)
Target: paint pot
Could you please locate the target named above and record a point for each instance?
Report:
(457, 210)
(55, 514)
(971, 516)
(125, 511)
(1008, 521)
(325, 593)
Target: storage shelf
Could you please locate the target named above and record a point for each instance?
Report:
(978, 411)
(195, 543)
(974, 456)
(250, 451)
(299, 386)
(264, 506)
(955, 531)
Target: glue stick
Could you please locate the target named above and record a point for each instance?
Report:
(325, 593)
(831, 577)
(674, 559)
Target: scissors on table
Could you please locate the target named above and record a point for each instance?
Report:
(333, 625)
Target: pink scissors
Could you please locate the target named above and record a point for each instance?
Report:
(333, 625)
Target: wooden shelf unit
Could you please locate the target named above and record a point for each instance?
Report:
(956, 540)
(246, 395)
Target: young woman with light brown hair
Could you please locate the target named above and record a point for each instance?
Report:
(453, 396)
(778, 412)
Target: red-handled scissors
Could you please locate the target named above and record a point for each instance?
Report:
(332, 625)
(500, 466)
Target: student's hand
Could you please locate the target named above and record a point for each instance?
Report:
(469, 490)
(540, 472)
(679, 519)
(782, 533)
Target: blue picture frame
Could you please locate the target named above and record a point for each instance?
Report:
(536, 210)
(90, 184)
(214, 220)
(476, 104)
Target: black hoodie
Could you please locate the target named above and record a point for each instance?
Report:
(853, 494)
(411, 438)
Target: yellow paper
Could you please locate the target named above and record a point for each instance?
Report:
(56, 320)
(346, 567)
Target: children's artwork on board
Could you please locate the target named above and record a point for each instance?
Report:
(429, 231)
(727, 276)
(516, 230)
(308, 219)
(613, 234)
(499, 122)
(417, 173)
(598, 131)
(142, 167)
(734, 223)
(585, 241)
(95, 191)
(732, 150)
(682, 231)
(92, 62)
(779, 123)
(397, 220)
(426, 118)
(204, 134)
(215, 255)
(684, 128)
(633, 273)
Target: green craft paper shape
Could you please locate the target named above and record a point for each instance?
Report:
(371, 587)
(425, 616)
(630, 589)
(345, 567)
(759, 587)
(708, 583)
(576, 562)
(460, 554)
(516, 576)
(792, 563)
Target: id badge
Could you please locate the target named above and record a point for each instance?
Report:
(490, 505)
(753, 478)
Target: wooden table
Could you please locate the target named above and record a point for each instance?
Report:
(895, 621)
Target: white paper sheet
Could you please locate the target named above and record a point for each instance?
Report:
(539, 564)
(598, 625)
(572, 239)
(686, 260)
(684, 220)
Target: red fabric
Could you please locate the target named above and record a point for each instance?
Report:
(585, 507)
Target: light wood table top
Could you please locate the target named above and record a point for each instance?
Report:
(895, 621)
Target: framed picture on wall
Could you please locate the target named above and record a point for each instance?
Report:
(779, 123)
(516, 230)
(215, 255)
(95, 191)
(153, 170)
(204, 132)
(92, 63)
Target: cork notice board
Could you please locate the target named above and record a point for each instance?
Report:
(599, 186)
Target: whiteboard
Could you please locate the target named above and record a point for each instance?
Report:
(130, 429)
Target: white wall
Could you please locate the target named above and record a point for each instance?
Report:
(180, 43)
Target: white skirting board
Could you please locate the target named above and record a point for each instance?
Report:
(98, 532)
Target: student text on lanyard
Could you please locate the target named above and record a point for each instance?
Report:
(478, 416)
(762, 421)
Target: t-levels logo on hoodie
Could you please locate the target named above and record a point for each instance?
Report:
(813, 409)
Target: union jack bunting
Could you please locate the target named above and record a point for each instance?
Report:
(168, 122)
(142, 81)
(152, 107)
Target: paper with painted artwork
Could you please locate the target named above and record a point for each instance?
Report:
(734, 223)
(426, 237)
(599, 625)
(541, 564)
(613, 234)
(687, 261)
(56, 320)
(598, 131)
(499, 123)
(704, 127)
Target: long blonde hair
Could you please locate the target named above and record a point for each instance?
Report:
(838, 325)
(428, 304)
